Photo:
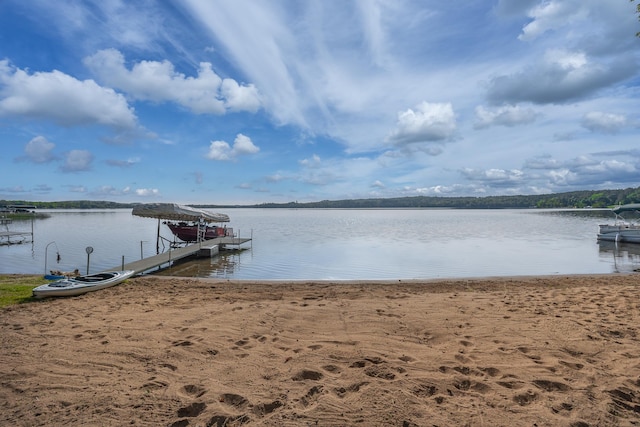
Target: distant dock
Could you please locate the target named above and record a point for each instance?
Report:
(204, 248)
(13, 237)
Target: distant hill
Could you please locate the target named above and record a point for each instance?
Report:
(574, 199)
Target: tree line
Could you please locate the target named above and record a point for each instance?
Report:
(574, 199)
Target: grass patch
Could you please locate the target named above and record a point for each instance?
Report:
(25, 216)
(16, 288)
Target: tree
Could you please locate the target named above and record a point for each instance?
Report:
(637, 13)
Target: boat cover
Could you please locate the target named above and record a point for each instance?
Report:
(626, 208)
(175, 212)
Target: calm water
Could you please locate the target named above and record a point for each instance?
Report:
(340, 244)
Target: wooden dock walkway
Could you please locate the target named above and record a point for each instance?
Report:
(172, 255)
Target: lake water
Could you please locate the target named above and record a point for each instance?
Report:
(316, 244)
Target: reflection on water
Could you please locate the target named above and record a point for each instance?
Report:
(625, 256)
(223, 266)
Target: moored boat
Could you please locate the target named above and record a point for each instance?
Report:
(621, 230)
(81, 284)
(186, 223)
(190, 232)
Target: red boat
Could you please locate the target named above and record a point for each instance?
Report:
(189, 232)
(186, 223)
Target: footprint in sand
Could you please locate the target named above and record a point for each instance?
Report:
(526, 398)
(312, 395)
(154, 384)
(192, 410)
(193, 390)
(332, 368)
(551, 386)
(234, 400)
(226, 421)
(263, 409)
(307, 375)
(353, 388)
(424, 390)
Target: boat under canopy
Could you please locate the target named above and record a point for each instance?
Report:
(176, 212)
(621, 230)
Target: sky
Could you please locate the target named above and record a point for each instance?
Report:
(243, 102)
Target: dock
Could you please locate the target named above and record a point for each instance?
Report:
(206, 248)
(18, 236)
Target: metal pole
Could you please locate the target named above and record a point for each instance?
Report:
(46, 249)
(122, 269)
(158, 238)
(89, 249)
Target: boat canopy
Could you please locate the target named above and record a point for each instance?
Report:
(175, 212)
(626, 208)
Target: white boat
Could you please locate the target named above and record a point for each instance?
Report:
(621, 230)
(82, 284)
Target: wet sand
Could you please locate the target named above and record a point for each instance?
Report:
(162, 351)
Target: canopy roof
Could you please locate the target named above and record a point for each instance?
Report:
(177, 212)
(626, 208)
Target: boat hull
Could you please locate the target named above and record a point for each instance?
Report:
(189, 233)
(81, 284)
(619, 233)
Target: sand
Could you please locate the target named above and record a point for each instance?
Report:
(154, 351)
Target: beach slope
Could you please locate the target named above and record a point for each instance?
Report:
(162, 351)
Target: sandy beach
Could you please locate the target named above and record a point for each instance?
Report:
(162, 351)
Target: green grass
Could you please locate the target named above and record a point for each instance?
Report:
(16, 288)
(25, 216)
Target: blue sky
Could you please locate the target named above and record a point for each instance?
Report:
(236, 101)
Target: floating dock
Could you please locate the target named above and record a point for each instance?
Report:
(18, 236)
(204, 248)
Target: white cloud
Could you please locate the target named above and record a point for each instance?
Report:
(222, 151)
(77, 161)
(160, 82)
(494, 177)
(429, 122)
(243, 145)
(548, 16)
(561, 76)
(219, 150)
(313, 162)
(39, 150)
(275, 178)
(240, 98)
(508, 115)
(61, 98)
(597, 121)
(147, 192)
